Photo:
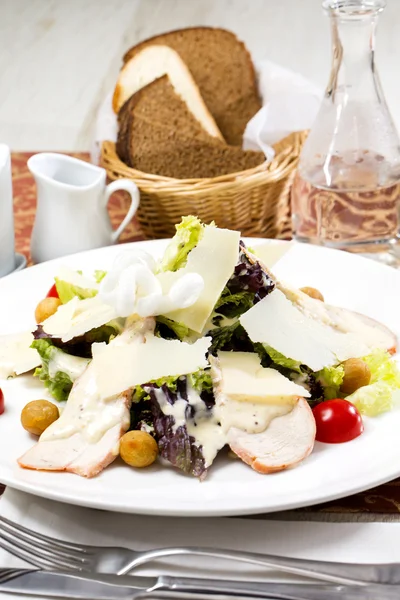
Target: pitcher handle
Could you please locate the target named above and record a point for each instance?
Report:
(133, 191)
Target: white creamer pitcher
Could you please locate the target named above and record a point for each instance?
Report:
(71, 213)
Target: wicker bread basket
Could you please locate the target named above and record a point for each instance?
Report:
(256, 202)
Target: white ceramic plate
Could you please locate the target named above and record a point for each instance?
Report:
(231, 488)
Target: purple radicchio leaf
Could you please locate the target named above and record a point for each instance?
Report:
(78, 346)
(250, 276)
(174, 443)
(40, 334)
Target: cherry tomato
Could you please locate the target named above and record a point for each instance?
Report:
(1, 402)
(337, 421)
(52, 293)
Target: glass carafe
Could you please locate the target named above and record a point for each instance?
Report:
(347, 188)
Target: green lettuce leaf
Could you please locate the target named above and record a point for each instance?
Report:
(188, 233)
(104, 333)
(169, 329)
(201, 381)
(168, 381)
(99, 275)
(281, 360)
(331, 378)
(233, 305)
(59, 369)
(378, 396)
(222, 337)
(373, 399)
(66, 291)
(383, 368)
(59, 386)
(140, 394)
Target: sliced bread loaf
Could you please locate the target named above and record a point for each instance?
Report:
(223, 71)
(158, 103)
(160, 150)
(151, 63)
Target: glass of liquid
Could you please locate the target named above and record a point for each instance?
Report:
(346, 192)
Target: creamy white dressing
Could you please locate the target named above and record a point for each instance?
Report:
(86, 413)
(87, 410)
(251, 417)
(73, 366)
(147, 428)
(210, 426)
(204, 426)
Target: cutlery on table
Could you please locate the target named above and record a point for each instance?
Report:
(134, 587)
(50, 553)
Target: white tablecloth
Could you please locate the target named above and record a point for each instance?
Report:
(355, 542)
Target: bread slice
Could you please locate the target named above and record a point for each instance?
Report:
(123, 132)
(223, 71)
(152, 62)
(159, 103)
(161, 150)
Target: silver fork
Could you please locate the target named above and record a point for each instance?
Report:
(46, 552)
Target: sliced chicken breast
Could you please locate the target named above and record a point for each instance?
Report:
(271, 433)
(389, 339)
(85, 439)
(76, 454)
(371, 332)
(287, 441)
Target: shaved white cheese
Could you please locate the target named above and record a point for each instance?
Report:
(120, 367)
(300, 335)
(270, 254)
(73, 366)
(214, 259)
(16, 356)
(243, 378)
(75, 278)
(77, 317)
(59, 323)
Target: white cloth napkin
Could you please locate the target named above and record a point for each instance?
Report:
(290, 103)
(355, 542)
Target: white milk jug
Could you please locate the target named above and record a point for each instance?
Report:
(71, 213)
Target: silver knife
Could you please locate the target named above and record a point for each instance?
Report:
(50, 584)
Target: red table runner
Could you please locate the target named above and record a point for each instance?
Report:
(384, 499)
